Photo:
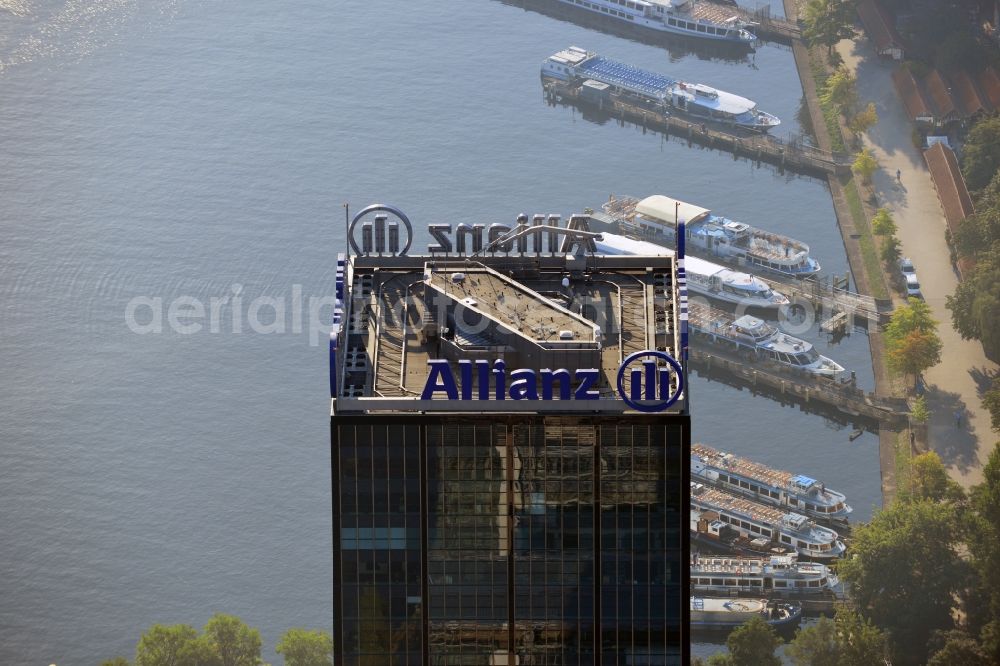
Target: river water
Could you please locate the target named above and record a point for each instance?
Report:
(202, 149)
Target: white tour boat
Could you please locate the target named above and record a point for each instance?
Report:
(755, 520)
(755, 340)
(704, 277)
(655, 217)
(693, 18)
(793, 492)
(722, 613)
(656, 91)
(779, 575)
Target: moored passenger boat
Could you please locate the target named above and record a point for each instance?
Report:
(601, 76)
(720, 613)
(755, 340)
(655, 217)
(692, 18)
(704, 277)
(754, 520)
(794, 492)
(775, 575)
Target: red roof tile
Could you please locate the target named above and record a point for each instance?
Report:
(909, 91)
(878, 25)
(964, 90)
(989, 83)
(941, 96)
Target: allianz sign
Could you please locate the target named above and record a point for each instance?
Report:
(649, 385)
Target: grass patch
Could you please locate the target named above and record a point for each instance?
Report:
(831, 116)
(869, 251)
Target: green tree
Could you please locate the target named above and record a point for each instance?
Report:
(890, 251)
(818, 645)
(864, 120)
(975, 305)
(915, 353)
(980, 232)
(904, 572)
(991, 402)
(117, 661)
(232, 642)
(930, 481)
(175, 645)
(304, 647)
(865, 164)
(981, 153)
(914, 316)
(840, 90)
(861, 642)
(959, 648)
(751, 644)
(828, 21)
(883, 224)
(920, 412)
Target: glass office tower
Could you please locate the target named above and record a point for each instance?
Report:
(475, 530)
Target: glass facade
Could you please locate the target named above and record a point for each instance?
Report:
(510, 539)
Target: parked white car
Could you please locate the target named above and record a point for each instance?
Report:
(910, 277)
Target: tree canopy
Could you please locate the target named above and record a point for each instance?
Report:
(847, 640)
(750, 644)
(829, 21)
(911, 338)
(232, 642)
(305, 647)
(882, 223)
(865, 164)
(981, 153)
(975, 305)
(904, 571)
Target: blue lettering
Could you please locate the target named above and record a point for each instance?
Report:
(439, 379)
(500, 372)
(588, 378)
(483, 369)
(549, 378)
(465, 370)
(524, 385)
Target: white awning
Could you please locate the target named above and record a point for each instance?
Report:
(661, 208)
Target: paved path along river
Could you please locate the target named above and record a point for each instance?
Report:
(956, 383)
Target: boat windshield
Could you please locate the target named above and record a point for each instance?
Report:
(807, 357)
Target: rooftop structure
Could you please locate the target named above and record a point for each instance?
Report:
(964, 89)
(410, 320)
(880, 29)
(912, 95)
(944, 104)
(950, 185)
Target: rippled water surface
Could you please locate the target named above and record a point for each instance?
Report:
(203, 149)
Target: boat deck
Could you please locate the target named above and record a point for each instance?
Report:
(721, 501)
(625, 76)
(742, 466)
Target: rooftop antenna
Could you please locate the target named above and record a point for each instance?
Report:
(347, 229)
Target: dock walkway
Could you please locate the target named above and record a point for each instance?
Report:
(791, 155)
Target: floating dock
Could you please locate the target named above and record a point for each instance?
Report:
(760, 148)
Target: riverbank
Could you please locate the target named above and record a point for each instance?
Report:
(867, 274)
(959, 427)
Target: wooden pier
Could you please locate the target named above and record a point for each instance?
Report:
(793, 156)
(769, 28)
(811, 392)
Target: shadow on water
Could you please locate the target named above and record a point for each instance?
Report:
(695, 140)
(829, 412)
(678, 46)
